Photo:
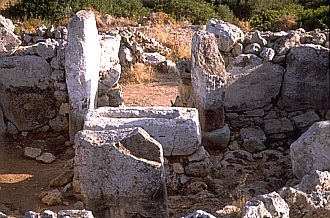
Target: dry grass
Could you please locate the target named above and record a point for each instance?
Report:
(6, 3)
(140, 73)
(244, 25)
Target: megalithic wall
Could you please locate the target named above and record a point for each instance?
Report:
(82, 65)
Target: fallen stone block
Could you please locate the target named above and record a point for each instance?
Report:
(177, 129)
(121, 173)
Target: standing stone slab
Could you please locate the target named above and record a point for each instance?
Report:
(311, 151)
(177, 129)
(121, 173)
(82, 65)
(306, 82)
(209, 77)
(252, 88)
(26, 91)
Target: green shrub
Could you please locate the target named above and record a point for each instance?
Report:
(315, 18)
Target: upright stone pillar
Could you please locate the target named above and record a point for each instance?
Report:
(209, 78)
(82, 65)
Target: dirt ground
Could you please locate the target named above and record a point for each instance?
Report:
(22, 180)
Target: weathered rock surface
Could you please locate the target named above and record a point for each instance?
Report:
(251, 88)
(208, 77)
(26, 95)
(199, 214)
(255, 208)
(52, 198)
(306, 82)
(9, 42)
(227, 34)
(177, 129)
(100, 159)
(311, 151)
(46, 158)
(273, 202)
(30, 152)
(217, 139)
(152, 59)
(82, 65)
(110, 67)
(75, 214)
(275, 126)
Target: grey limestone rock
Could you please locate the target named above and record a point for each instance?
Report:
(177, 129)
(305, 119)
(32, 152)
(275, 126)
(75, 214)
(217, 139)
(199, 214)
(47, 49)
(276, 205)
(26, 85)
(100, 159)
(153, 59)
(306, 83)
(311, 151)
(9, 42)
(227, 34)
(209, 78)
(82, 65)
(255, 208)
(46, 158)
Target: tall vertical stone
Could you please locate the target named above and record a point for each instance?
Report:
(82, 65)
(121, 173)
(209, 78)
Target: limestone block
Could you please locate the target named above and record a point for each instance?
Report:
(306, 82)
(152, 59)
(121, 172)
(305, 119)
(177, 129)
(275, 126)
(267, 54)
(311, 151)
(250, 88)
(47, 49)
(253, 48)
(9, 42)
(227, 34)
(316, 181)
(110, 67)
(82, 65)
(250, 132)
(26, 91)
(255, 208)
(257, 38)
(217, 139)
(275, 205)
(283, 44)
(209, 78)
(75, 214)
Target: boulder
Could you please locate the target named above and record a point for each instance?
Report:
(26, 91)
(208, 77)
(275, 126)
(110, 67)
(9, 42)
(217, 139)
(46, 158)
(199, 214)
(250, 87)
(316, 181)
(305, 119)
(257, 38)
(82, 65)
(311, 151)
(30, 152)
(227, 34)
(267, 54)
(47, 49)
(306, 83)
(283, 44)
(255, 208)
(250, 132)
(53, 197)
(177, 129)
(75, 214)
(100, 159)
(273, 202)
(153, 59)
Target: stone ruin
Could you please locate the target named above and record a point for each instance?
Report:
(247, 95)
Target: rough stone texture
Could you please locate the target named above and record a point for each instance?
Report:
(283, 44)
(199, 214)
(305, 119)
(227, 34)
(250, 132)
(3, 127)
(257, 38)
(100, 159)
(152, 59)
(52, 198)
(62, 179)
(306, 82)
(46, 158)
(209, 77)
(311, 151)
(26, 95)
(253, 48)
(310, 198)
(267, 54)
(9, 42)
(47, 49)
(255, 208)
(75, 214)
(275, 126)
(177, 129)
(32, 152)
(82, 65)
(251, 88)
(275, 205)
(110, 67)
(217, 139)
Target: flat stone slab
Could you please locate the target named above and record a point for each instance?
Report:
(177, 129)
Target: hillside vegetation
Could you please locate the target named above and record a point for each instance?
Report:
(259, 14)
